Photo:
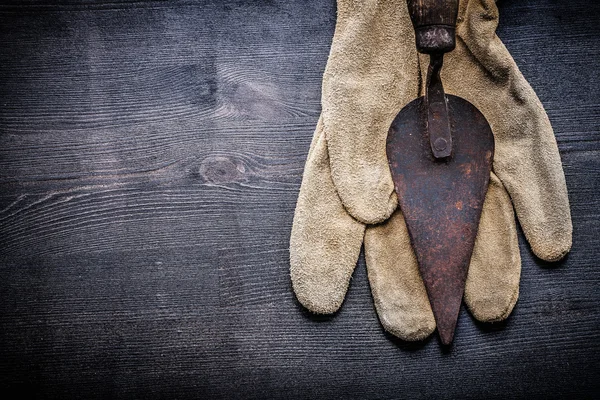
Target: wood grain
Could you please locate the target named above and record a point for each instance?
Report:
(151, 154)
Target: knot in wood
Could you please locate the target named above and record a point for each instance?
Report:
(221, 169)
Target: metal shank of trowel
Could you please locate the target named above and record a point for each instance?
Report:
(435, 22)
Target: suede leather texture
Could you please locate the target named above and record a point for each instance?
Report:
(347, 196)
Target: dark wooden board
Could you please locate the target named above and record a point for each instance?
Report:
(151, 154)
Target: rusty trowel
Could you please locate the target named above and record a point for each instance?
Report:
(440, 149)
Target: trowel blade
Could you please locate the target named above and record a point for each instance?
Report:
(442, 199)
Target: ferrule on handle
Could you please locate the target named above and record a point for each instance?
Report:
(434, 22)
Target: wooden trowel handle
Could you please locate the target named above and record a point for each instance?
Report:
(434, 22)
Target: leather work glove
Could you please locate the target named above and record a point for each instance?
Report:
(347, 190)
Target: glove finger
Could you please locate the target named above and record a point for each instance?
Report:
(325, 241)
(492, 286)
(526, 158)
(370, 75)
(398, 291)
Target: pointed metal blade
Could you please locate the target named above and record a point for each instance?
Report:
(442, 199)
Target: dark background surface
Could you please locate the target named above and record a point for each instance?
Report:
(151, 154)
